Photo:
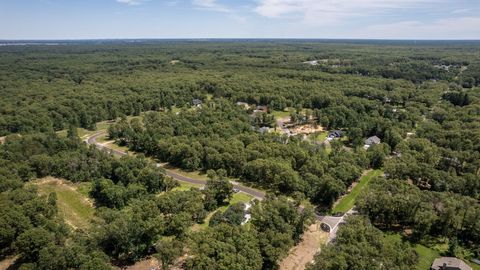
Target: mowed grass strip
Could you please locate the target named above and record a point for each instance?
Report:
(426, 256)
(348, 201)
(73, 206)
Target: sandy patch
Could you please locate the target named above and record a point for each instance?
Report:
(303, 253)
(6, 263)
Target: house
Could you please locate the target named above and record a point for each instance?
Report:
(371, 141)
(313, 62)
(261, 109)
(449, 263)
(243, 105)
(263, 130)
(335, 134)
(196, 102)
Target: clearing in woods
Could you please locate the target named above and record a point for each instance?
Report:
(348, 201)
(303, 253)
(73, 205)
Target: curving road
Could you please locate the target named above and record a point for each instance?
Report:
(332, 222)
(92, 140)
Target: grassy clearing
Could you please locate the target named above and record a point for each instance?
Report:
(319, 136)
(185, 186)
(348, 201)
(72, 204)
(197, 175)
(239, 197)
(426, 257)
(281, 114)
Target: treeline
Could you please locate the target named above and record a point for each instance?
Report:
(396, 204)
(220, 136)
(47, 90)
(444, 152)
(137, 214)
(359, 245)
(276, 225)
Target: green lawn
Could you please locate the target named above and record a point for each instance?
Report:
(426, 257)
(348, 201)
(320, 136)
(281, 114)
(197, 175)
(72, 203)
(238, 197)
(185, 186)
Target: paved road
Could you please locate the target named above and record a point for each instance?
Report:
(331, 221)
(252, 192)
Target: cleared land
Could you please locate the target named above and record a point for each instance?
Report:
(73, 205)
(348, 201)
(303, 253)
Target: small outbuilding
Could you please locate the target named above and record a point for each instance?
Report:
(196, 102)
(449, 263)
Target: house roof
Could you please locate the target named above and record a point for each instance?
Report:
(335, 133)
(451, 263)
(372, 140)
(196, 101)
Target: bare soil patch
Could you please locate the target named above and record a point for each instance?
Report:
(303, 253)
(8, 262)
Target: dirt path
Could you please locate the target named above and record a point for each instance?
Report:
(6, 263)
(304, 252)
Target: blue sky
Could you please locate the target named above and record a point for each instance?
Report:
(389, 19)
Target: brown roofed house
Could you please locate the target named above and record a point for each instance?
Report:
(449, 263)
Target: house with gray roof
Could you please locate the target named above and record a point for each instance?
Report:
(372, 141)
(449, 263)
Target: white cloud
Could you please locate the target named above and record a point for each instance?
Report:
(131, 2)
(210, 5)
(448, 28)
(324, 11)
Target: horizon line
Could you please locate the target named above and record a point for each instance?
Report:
(230, 38)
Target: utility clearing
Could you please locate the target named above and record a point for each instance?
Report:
(76, 209)
(303, 253)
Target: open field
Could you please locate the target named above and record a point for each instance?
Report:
(73, 205)
(348, 201)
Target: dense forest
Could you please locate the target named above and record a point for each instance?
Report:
(198, 106)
